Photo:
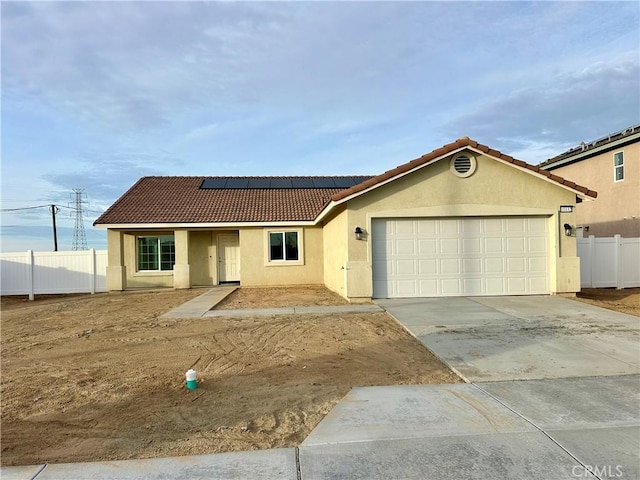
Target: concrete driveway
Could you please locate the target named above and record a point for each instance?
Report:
(522, 338)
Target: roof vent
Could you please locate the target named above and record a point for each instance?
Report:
(463, 165)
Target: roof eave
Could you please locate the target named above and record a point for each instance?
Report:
(170, 226)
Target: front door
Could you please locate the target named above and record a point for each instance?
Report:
(228, 257)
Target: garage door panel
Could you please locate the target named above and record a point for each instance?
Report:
(472, 286)
(426, 227)
(494, 265)
(493, 225)
(427, 267)
(427, 247)
(448, 227)
(449, 246)
(516, 245)
(460, 256)
(405, 267)
(495, 286)
(407, 288)
(472, 226)
(516, 225)
(538, 265)
(471, 246)
(538, 285)
(516, 285)
(428, 288)
(537, 245)
(406, 228)
(516, 265)
(451, 287)
(494, 245)
(472, 265)
(449, 266)
(405, 247)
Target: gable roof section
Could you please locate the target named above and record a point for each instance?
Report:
(449, 149)
(181, 200)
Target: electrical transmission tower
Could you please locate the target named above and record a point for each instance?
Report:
(79, 236)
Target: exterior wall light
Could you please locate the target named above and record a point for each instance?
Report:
(568, 230)
(358, 233)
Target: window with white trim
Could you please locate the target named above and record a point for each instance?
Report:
(284, 247)
(155, 254)
(618, 166)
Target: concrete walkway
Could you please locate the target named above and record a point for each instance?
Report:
(202, 305)
(544, 429)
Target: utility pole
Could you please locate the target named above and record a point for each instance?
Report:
(53, 209)
(79, 236)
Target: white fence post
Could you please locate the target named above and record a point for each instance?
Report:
(618, 258)
(30, 282)
(92, 268)
(592, 252)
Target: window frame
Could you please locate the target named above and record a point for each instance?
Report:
(159, 253)
(617, 167)
(283, 262)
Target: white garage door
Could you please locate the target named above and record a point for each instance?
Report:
(426, 257)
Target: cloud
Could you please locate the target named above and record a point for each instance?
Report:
(562, 111)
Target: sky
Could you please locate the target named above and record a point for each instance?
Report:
(96, 95)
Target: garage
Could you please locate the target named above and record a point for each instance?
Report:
(460, 256)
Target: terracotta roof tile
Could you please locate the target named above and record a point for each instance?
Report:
(181, 200)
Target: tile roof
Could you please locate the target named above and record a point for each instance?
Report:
(164, 200)
(154, 200)
(446, 150)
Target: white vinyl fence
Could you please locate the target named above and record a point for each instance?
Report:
(33, 273)
(609, 262)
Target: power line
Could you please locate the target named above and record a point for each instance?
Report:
(24, 208)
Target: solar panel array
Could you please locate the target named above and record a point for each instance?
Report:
(231, 183)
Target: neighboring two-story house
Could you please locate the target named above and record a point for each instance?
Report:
(611, 166)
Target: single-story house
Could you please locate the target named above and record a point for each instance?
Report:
(462, 220)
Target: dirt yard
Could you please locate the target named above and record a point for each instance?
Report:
(625, 301)
(101, 377)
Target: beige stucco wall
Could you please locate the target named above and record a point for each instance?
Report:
(617, 208)
(254, 267)
(494, 189)
(335, 233)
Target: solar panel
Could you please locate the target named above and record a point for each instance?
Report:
(361, 178)
(281, 183)
(213, 183)
(259, 183)
(344, 182)
(235, 182)
(323, 182)
(302, 182)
